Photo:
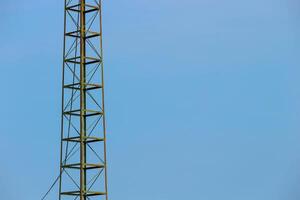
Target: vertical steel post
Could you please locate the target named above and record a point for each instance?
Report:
(103, 107)
(62, 102)
(82, 103)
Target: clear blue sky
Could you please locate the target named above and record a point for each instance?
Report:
(202, 97)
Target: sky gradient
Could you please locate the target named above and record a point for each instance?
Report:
(202, 98)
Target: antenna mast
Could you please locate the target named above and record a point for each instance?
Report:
(83, 170)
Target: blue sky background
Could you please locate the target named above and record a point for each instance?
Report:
(202, 98)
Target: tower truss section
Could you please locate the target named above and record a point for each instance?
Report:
(83, 135)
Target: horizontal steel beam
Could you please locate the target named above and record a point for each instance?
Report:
(87, 34)
(88, 8)
(88, 60)
(87, 193)
(87, 86)
(87, 139)
(85, 166)
(86, 111)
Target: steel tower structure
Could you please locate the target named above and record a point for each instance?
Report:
(83, 170)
